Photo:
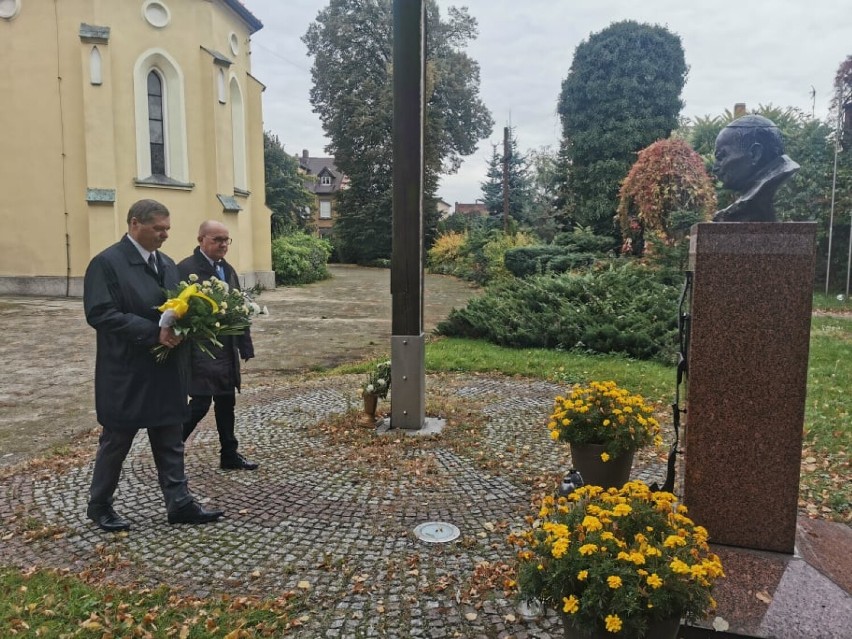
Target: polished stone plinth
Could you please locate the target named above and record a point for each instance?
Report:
(784, 596)
(748, 359)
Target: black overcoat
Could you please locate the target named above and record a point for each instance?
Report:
(120, 297)
(219, 375)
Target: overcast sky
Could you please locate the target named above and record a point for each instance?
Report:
(756, 51)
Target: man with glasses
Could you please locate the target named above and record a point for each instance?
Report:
(122, 289)
(214, 380)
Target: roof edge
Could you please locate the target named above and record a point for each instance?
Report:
(240, 9)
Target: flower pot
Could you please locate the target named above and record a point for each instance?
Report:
(596, 472)
(370, 403)
(660, 629)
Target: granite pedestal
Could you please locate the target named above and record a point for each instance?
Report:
(748, 360)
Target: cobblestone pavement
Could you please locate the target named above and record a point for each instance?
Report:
(321, 518)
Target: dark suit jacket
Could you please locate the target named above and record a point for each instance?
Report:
(120, 297)
(221, 375)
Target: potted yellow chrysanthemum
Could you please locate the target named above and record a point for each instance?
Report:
(617, 563)
(605, 425)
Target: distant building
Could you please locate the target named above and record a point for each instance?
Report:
(106, 103)
(444, 209)
(478, 209)
(327, 181)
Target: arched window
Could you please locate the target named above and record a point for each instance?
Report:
(238, 128)
(95, 67)
(161, 144)
(156, 130)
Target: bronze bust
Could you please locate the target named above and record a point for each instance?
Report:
(750, 160)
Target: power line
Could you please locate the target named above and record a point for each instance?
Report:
(280, 57)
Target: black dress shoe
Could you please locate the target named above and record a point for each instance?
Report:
(107, 519)
(236, 462)
(194, 513)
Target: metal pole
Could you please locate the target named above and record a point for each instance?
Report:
(408, 402)
(849, 256)
(833, 188)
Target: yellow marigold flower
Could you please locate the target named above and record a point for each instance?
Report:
(624, 556)
(582, 575)
(613, 623)
(654, 581)
(560, 547)
(642, 572)
(697, 571)
(591, 523)
(622, 510)
(590, 549)
(679, 567)
(606, 422)
(554, 435)
(674, 540)
(614, 581)
(604, 457)
(607, 536)
(653, 551)
(637, 558)
(566, 422)
(570, 604)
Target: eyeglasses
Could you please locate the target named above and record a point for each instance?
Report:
(222, 240)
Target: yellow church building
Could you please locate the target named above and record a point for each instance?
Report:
(105, 102)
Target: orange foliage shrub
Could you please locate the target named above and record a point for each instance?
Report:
(668, 177)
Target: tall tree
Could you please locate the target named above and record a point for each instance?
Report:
(286, 195)
(350, 41)
(518, 178)
(543, 212)
(621, 94)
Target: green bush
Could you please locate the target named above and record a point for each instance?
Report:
(535, 260)
(300, 259)
(624, 309)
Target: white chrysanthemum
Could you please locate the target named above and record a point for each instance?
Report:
(369, 388)
(193, 277)
(224, 304)
(381, 383)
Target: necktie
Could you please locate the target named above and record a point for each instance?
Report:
(220, 271)
(152, 262)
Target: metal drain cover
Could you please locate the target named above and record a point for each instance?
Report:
(437, 532)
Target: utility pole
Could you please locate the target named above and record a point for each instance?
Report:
(505, 179)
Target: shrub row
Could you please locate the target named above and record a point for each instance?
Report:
(625, 309)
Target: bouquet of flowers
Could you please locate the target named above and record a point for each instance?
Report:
(378, 381)
(617, 560)
(602, 413)
(204, 311)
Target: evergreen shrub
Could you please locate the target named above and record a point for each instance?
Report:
(535, 260)
(627, 309)
(300, 259)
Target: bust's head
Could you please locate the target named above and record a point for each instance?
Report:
(743, 148)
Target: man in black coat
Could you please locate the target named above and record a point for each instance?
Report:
(122, 289)
(214, 379)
